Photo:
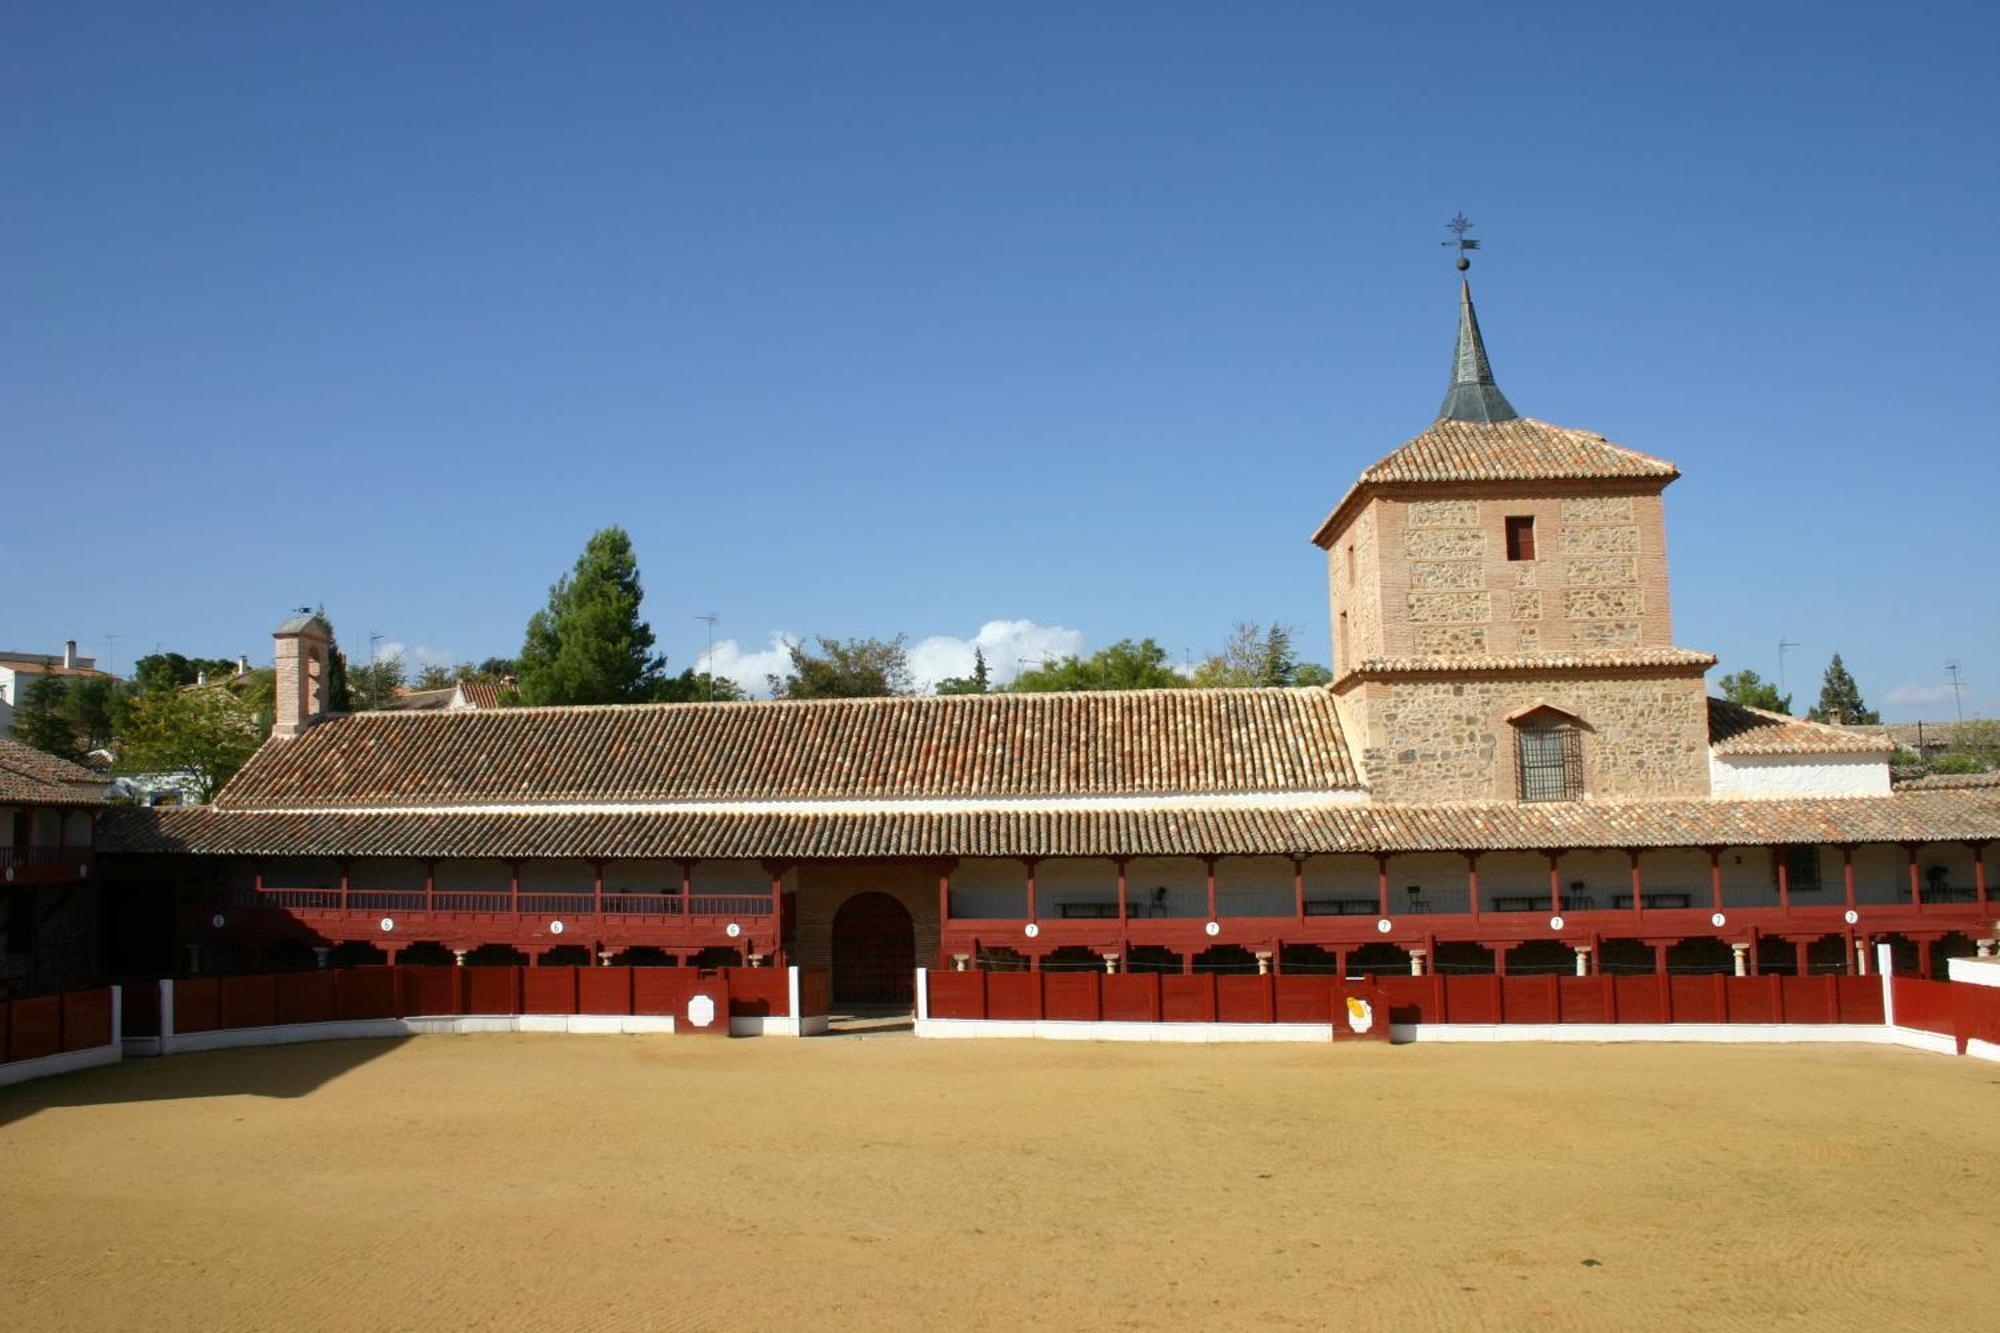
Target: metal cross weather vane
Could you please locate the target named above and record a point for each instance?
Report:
(1458, 226)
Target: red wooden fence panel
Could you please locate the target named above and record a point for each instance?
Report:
(1581, 1000)
(1131, 997)
(196, 1001)
(1410, 998)
(1072, 996)
(816, 991)
(247, 1001)
(1640, 999)
(1697, 999)
(548, 990)
(1928, 1005)
(1474, 999)
(660, 990)
(430, 991)
(1013, 994)
(1809, 999)
(366, 992)
(604, 990)
(1529, 1000)
(1303, 999)
(955, 994)
(1244, 999)
(141, 1002)
(759, 992)
(307, 997)
(1187, 999)
(34, 1027)
(1860, 999)
(86, 1019)
(1978, 1011)
(492, 990)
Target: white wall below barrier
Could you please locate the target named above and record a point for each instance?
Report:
(287, 1034)
(1054, 1029)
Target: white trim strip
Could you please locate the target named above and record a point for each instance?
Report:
(1297, 800)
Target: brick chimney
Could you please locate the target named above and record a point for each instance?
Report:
(303, 645)
(69, 653)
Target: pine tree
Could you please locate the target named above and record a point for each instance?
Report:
(1840, 697)
(588, 645)
(979, 682)
(41, 718)
(1751, 690)
(1279, 664)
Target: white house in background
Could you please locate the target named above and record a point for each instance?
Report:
(19, 670)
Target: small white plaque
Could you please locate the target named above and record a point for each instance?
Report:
(1718, 920)
(388, 924)
(701, 1011)
(1031, 930)
(1213, 928)
(732, 930)
(1384, 926)
(218, 921)
(1851, 916)
(555, 927)
(1555, 923)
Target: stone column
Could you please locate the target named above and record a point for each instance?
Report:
(959, 961)
(604, 957)
(1110, 963)
(1984, 947)
(1741, 953)
(1861, 958)
(1583, 960)
(320, 954)
(458, 957)
(1417, 957)
(1263, 964)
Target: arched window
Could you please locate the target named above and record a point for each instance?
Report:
(1548, 755)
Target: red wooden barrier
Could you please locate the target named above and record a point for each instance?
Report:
(1072, 996)
(307, 997)
(1013, 994)
(1244, 999)
(548, 990)
(1187, 999)
(367, 992)
(1929, 1005)
(492, 990)
(430, 991)
(816, 992)
(1303, 999)
(604, 990)
(759, 992)
(1131, 997)
(1978, 1012)
(660, 990)
(141, 1003)
(248, 1002)
(195, 1004)
(34, 1027)
(86, 1019)
(957, 994)
(1860, 999)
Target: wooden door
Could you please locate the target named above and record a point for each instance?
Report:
(874, 951)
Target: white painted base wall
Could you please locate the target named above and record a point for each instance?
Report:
(286, 1034)
(63, 1062)
(1796, 776)
(1065, 1030)
(1872, 1034)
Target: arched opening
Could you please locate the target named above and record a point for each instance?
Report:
(425, 953)
(1307, 960)
(1628, 957)
(1225, 958)
(496, 955)
(1541, 958)
(1379, 959)
(1152, 958)
(289, 956)
(1954, 945)
(355, 953)
(1073, 958)
(1703, 954)
(1001, 959)
(564, 955)
(874, 951)
(717, 955)
(1463, 957)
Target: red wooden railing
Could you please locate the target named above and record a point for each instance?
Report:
(39, 1025)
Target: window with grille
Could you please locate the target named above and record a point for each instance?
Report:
(1802, 869)
(1551, 762)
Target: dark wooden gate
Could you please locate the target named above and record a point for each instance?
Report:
(874, 951)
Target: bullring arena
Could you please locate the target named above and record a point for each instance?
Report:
(653, 1182)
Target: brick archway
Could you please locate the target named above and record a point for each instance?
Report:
(874, 951)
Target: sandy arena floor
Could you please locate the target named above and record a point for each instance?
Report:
(526, 1182)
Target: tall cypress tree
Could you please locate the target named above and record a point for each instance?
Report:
(588, 645)
(41, 718)
(1840, 696)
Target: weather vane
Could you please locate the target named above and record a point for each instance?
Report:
(1458, 226)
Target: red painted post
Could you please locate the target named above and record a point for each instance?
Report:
(1638, 892)
(1031, 890)
(1979, 872)
(1804, 951)
(514, 887)
(687, 892)
(1715, 876)
(1847, 877)
(343, 883)
(1299, 890)
(257, 876)
(1784, 882)
(1916, 890)
(1124, 912)
(1382, 883)
(944, 897)
(1555, 882)
(430, 886)
(1472, 885)
(1209, 862)
(597, 887)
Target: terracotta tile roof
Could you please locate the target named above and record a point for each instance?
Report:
(1951, 782)
(1734, 729)
(1139, 742)
(481, 693)
(416, 701)
(1908, 817)
(27, 774)
(1519, 449)
(1608, 660)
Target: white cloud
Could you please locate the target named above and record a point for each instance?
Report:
(1010, 646)
(729, 661)
(414, 655)
(1920, 694)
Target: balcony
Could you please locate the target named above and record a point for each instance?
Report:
(44, 865)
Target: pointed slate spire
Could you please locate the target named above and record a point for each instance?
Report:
(1473, 396)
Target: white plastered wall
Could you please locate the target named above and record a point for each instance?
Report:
(1793, 776)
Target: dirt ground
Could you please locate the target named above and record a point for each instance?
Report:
(528, 1182)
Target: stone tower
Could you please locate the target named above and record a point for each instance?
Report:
(303, 644)
(1500, 611)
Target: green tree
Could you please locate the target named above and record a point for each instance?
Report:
(1977, 741)
(1747, 688)
(979, 682)
(1125, 665)
(206, 734)
(434, 677)
(42, 718)
(589, 645)
(1251, 657)
(372, 687)
(170, 671)
(1312, 673)
(90, 707)
(696, 687)
(846, 669)
(1840, 697)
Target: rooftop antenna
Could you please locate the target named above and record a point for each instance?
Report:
(375, 636)
(1957, 688)
(708, 662)
(1783, 644)
(1458, 226)
(111, 652)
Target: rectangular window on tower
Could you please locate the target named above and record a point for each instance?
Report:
(1350, 564)
(1521, 538)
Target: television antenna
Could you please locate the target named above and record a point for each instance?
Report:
(111, 652)
(375, 636)
(1957, 688)
(708, 662)
(1783, 644)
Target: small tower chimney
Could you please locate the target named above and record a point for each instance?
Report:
(242, 664)
(69, 653)
(302, 644)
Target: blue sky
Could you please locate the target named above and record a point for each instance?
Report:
(883, 318)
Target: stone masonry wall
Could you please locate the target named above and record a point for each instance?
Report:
(1353, 576)
(824, 886)
(1443, 740)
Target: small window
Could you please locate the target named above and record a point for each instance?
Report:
(1551, 762)
(1521, 538)
(1340, 647)
(1350, 564)
(1802, 869)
